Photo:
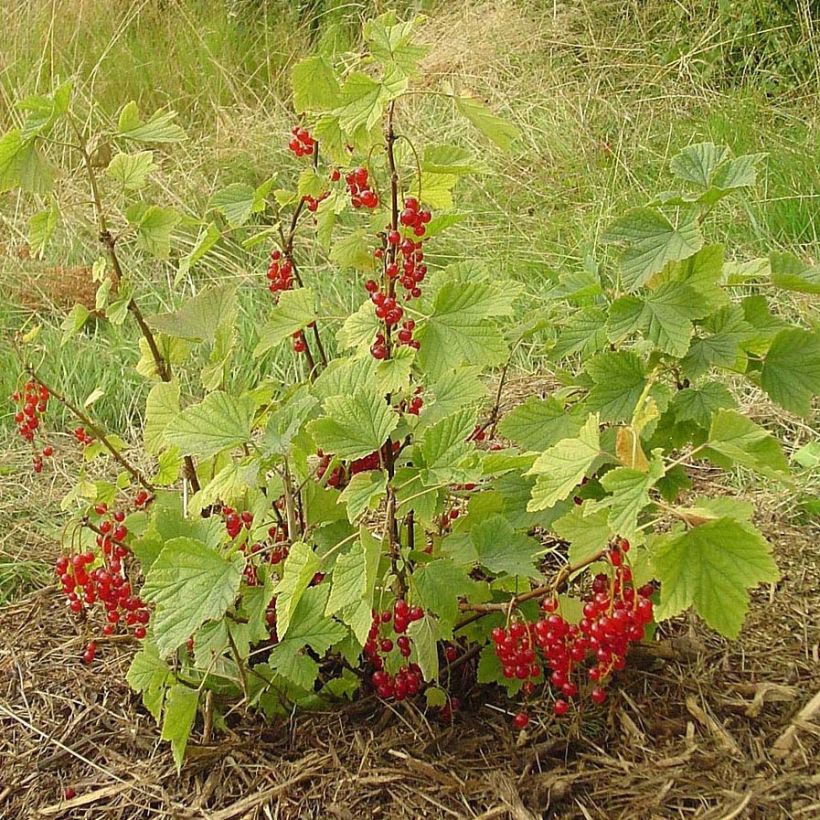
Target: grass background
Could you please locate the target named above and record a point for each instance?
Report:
(604, 92)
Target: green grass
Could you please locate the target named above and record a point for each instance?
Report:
(604, 97)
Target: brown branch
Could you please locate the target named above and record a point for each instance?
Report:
(390, 257)
(98, 431)
(556, 585)
(108, 241)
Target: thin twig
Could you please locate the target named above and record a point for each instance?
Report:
(94, 428)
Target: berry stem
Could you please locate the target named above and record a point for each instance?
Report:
(98, 432)
(287, 250)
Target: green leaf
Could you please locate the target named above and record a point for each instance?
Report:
(363, 100)
(354, 252)
(445, 445)
(41, 227)
(667, 314)
(160, 128)
(131, 170)
(412, 495)
(284, 425)
(452, 391)
(190, 584)
(393, 374)
(629, 495)
(619, 383)
(169, 465)
(699, 404)
(362, 491)
(808, 456)
(789, 273)
(315, 87)
(439, 585)
(652, 241)
(22, 165)
(502, 550)
(74, 322)
(154, 226)
(200, 317)
(451, 159)
(561, 468)
(354, 426)
(357, 614)
(711, 567)
(238, 202)
(148, 675)
(343, 377)
(310, 625)
(459, 331)
(300, 567)
(584, 333)
(295, 311)
(791, 370)
(744, 442)
(722, 347)
(180, 713)
(697, 163)
(739, 172)
(360, 328)
(293, 665)
(702, 272)
(217, 423)
(229, 485)
(348, 582)
(424, 635)
(436, 189)
(497, 130)
(586, 532)
(539, 423)
(391, 44)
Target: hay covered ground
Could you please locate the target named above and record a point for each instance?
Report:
(696, 726)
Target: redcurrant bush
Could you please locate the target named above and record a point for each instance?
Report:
(376, 522)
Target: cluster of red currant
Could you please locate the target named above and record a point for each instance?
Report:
(85, 584)
(416, 402)
(361, 194)
(278, 534)
(312, 202)
(82, 436)
(299, 342)
(235, 522)
(408, 679)
(615, 616)
(447, 519)
(32, 403)
(339, 476)
(413, 270)
(301, 143)
(280, 273)
(414, 217)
